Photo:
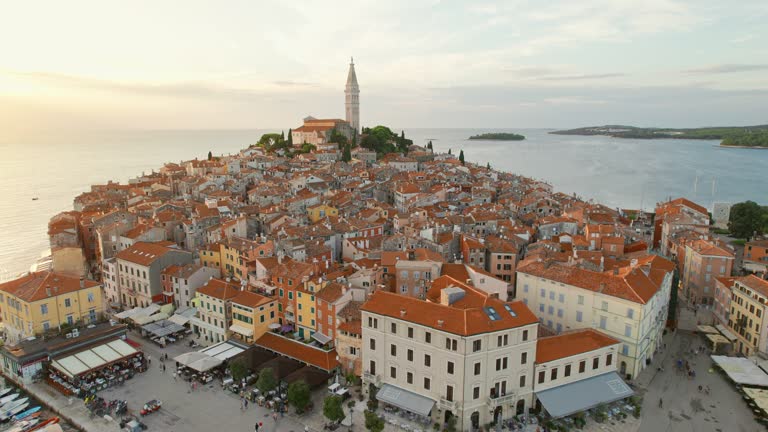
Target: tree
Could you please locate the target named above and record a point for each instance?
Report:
(449, 151)
(461, 157)
(488, 165)
(332, 408)
(450, 424)
(746, 219)
(210, 155)
(429, 145)
(290, 137)
(266, 381)
(238, 370)
(372, 422)
(282, 135)
(299, 395)
(346, 155)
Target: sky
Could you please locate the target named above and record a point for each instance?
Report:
(267, 64)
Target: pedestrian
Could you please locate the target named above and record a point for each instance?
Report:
(661, 403)
(174, 376)
(700, 388)
(274, 416)
(245, 402)
(149, 359)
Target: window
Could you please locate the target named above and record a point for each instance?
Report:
(543, 293)
(603, 322)
(630, 313)
(524, 358)
(477, 368)
(90, 297)
(627, 330)
(450, 368)
(393, 350)
(579, 316)
(522, 380)
(428, 337)
(551, 310)
(427, 360)
(476, 393)
(595, 363)
(525, 288)
(449, 393)
(542, 376)
(393, 372)
(625, 349)
(567, 371)
(581, 300)
(393, 328)
(373, 344)
(410, 332)
(541, 307)
(561, 298)
(44, 309)
(427, 383)
(525, 335)
(476, 345)
(410, 355)
(373, 368)
(67, 303)
(608, 359)
(559, 313)
(409, 377)
(553, 374)
(582, 366)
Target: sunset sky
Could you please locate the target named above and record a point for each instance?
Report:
(258, 64)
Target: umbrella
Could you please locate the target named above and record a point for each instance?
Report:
(274, 326)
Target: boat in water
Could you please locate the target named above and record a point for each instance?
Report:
(14, 411)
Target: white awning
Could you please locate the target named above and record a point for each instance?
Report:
(582, 395)
(725, 332)
(405, 399)
(742, 371)
(179, 319)
(123, 348)
(90, 359)
(245, 331)
(323, 339)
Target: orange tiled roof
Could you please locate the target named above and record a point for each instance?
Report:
(251, 299)
(465, 317)
(570, 344)
(325, 360)
(144, 253)
(33, 286)
(219, 289)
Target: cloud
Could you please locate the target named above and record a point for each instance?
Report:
(728, 68)
(531, 71)
(582, 77)
(294, 84)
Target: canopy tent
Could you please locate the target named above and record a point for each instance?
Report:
(582, 395)
(245, 331)
(149, 310)
(742, 371)
(179, 319)
(188, 358)
(716, 340)
(725, 332)
(205, 364)
(223, 350)
(405, 399)
(163, 328)
(79, 363)
(167, 309)
(707, 329)
(759, 396)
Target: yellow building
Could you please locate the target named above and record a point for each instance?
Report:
(252, 314)
(211, 257)
(749, 304)
(306, 305)
(43, 301)
(320, 211)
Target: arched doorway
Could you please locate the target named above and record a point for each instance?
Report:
(497, 415)
(475, 419)
(447, 416)
(623, 368)
(520, 409)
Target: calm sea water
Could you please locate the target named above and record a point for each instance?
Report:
(618, 172)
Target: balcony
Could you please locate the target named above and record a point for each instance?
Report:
(446, 404)
(501, 400)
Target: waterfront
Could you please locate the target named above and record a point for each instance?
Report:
(619, 172)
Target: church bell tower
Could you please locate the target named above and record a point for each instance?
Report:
(352, 99)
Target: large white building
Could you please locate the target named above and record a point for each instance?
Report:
(461, 352)
(629, 303)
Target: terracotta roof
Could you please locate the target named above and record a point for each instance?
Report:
(353, 327)
(144, 253)
(755, 283)
(33, 286)
(570, 344)
(465, 317)
(251, 299)
(219, 289)
(331, 292)
(325, 360)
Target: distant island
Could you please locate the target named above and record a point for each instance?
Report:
(747, 139)
(499, 136)
(727, 133)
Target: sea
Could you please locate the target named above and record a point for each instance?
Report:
(54, 167)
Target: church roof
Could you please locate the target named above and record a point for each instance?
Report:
(351, 76)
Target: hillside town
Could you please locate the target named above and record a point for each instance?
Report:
(448, 295)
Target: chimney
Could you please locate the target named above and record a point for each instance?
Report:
(615, 271)
(440, 323)
(82, 282)
(402, 312)
(48, 291)
(602, 263)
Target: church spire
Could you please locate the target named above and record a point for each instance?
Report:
(352, 97)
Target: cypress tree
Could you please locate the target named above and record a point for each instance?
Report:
(290, 137)
(210, 155)
(461, 157)
(429, 145)
(346, 155)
